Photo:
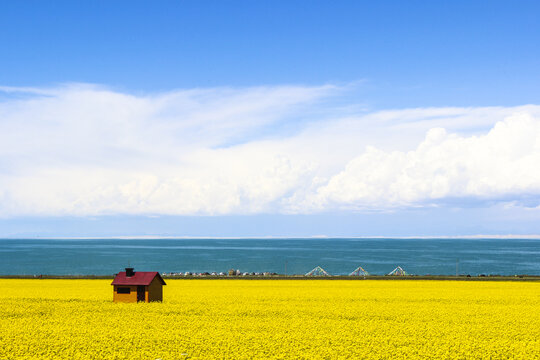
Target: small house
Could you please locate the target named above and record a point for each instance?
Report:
(135, 286)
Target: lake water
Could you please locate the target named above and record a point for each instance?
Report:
(291, 256)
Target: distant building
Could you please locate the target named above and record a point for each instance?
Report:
(131, 286)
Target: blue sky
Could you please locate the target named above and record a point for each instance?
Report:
(413, 53)
(255, 118)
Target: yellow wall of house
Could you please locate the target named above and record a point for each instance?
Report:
(131, 297)
(153, 292)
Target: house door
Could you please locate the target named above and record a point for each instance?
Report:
(140, 293)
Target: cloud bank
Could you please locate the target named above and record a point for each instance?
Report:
(81, 149)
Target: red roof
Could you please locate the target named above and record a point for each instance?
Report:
(139, 278)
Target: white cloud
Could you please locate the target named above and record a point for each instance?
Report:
(500, 164)
(88, 150)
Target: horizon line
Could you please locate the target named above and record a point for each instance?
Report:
(270, 237)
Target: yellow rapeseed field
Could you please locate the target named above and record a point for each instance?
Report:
(272, 319)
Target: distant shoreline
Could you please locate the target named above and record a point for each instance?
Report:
(314, 237)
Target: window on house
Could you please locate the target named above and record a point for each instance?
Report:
(123, 290)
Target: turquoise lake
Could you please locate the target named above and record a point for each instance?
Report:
(291, 256)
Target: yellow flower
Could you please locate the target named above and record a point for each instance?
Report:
(272, 319)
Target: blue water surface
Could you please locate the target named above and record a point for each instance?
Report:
(291, 256)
